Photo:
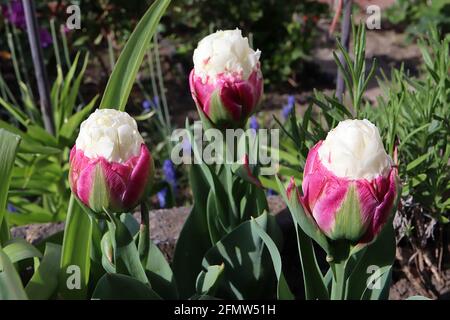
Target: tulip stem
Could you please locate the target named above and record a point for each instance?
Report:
(338, 286)
(144, 232)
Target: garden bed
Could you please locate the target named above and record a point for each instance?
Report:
(166, 225)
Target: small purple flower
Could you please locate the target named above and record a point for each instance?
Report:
(254, 123)
(46, 37)
(150, 104)
(271, 192)
(162, 197)
(170, 173)
(287, 108)
(147, 105)
(15, 14)
(291, 100)
(11, 208)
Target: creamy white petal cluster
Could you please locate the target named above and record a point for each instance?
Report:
(111, 134)
(225, 53)
(354, 150)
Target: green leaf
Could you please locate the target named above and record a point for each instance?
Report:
(126, 255)
(160, 274)
(68, 128)
(315, 287)
(299, 216)
(413, 164)
(76, 251)
(122, 287)
(8, 146)
(208, 280)
(381, 254)
(15, 112)
(44, 282)
(283, 290)
(38, 133)
(248, 267)
(123, 76)
(11, 287)
(19, 249)
(188, 257)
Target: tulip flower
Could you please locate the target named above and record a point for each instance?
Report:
(350, 184)
(226, 82)
(110, 166)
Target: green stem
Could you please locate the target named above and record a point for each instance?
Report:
(112, 234)
(338, 285)
(144, 232)
(55, 42)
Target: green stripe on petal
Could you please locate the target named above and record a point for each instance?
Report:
(348, 222)
(218, 113)
(99, 197)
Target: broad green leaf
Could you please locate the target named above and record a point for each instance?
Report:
(44, 282)
(302, 219)
(76, 250)
(188, 258)
(248, 268)
(19, 249)
(208, 280)
(122, 287)
(11, 287)
(315, 287)
(124, 74)
(126, 255)
(283, 290)
(381, 254)
(160, 274)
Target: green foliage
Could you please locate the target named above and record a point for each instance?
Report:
(124, 74)
(39, 186)
(282, 30)
(414, 113)
(419, 14)
(8, 145)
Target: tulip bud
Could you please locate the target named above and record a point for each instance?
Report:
(226, 82)
(349, 183)
(110, 166)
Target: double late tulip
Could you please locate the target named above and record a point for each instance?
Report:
(226, 82)
(350, 184)
(110, 166)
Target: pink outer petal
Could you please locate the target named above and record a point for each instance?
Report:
(139, 178)
(240, 97)
(385, 190)
(323, 191)
(201, 92)
(116, 176)
(80, 175)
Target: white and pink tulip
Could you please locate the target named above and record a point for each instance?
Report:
(110, 166)
(349, 184)
(226, 82)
